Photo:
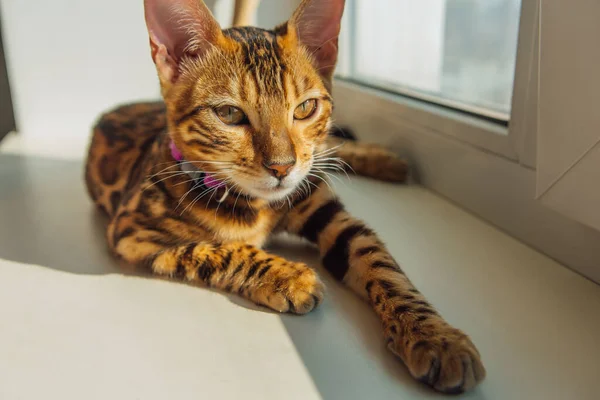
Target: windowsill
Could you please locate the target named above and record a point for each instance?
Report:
(534, 321)
(65, 147)
(464, 161)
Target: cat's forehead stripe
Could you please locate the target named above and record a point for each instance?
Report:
(248, 33)
(262, 58)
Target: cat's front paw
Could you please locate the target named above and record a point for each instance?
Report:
(438, 355)
(291, 287)
(380, 163)
(396, 170)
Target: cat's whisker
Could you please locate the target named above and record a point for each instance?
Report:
(164, 170)
(330, 175)
(332, 167)
(177, 163)
(338, 161)
(163, 179)
(210, 162)
(327, 159)
(288, 201)
(198, 197)
(330, 160)
(323, 157)
(184, 182)
(226, 181)
(170, 173)
(232, 187)
(341, 161)
(335, 174)
(236, 200)
(326, 170)
(321, 178)
(302, 187)
(310, 185)
(308, 188)
(217, 209)
(210, 198)
(328, 150)
(173, 173)
(194, 200)
(197, 185)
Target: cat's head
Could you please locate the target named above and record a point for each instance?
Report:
(250, 106)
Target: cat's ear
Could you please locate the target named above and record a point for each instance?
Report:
(178, 28)
(317, 26)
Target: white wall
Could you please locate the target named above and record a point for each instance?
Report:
(68, 60)
(270, 13)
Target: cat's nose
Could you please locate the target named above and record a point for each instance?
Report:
(280, 170)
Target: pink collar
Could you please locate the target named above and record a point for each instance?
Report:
(175, 153)
(201, 178)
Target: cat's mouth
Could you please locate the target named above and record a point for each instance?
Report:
(275, 193)
(266, 189)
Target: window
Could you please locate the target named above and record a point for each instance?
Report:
(437, 81)
(457, 53)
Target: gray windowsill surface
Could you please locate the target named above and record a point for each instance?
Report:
(75, 325)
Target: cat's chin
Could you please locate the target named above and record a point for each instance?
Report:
(270, 195)
(268, 188)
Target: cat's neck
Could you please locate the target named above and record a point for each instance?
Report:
(190, 176)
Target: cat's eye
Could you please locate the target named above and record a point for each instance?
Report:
(306, 109)
(231, 115)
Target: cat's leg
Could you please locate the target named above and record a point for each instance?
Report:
(435, 352)
(366, 159)
(263, 278)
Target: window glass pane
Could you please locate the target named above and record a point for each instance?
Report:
(459, 53)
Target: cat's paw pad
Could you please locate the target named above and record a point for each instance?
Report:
(445, 359)
(297, 292)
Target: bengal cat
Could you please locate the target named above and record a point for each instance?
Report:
(195, 185)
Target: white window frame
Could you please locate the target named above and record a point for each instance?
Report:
(568, 142)
(485, 167)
